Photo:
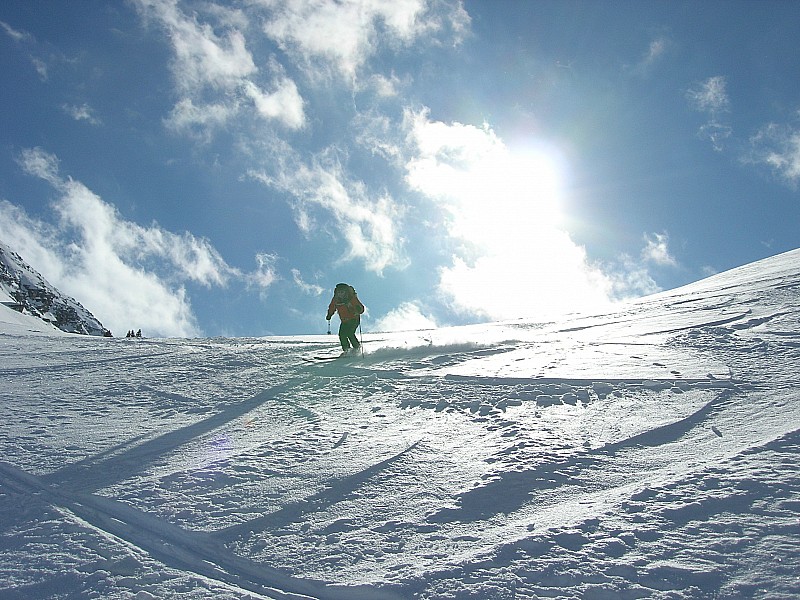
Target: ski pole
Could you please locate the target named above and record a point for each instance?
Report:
(361, 343)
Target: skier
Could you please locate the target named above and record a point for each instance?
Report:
(346, 303)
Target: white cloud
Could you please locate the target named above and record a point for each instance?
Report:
(406, 317)
(25, 38)
(266, 272)
(511, 258)
(202, 58)
(656, 250)
(41, 68)
(343, 34)
(311, 289)
(82, 113)
(369, 223)
(199, 120)
(386, 87)
(14, 34)
(717, 133)
(656, 50)
(125, 274)
(654, 53)
(377, 133)
(284, 104)
(214, 71)
(37, 242)
(631, 277)
(37, 162)
(778, 147)
(711, 97)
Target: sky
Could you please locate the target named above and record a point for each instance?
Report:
(214, 169)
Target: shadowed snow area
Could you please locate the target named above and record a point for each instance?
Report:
(649, 452)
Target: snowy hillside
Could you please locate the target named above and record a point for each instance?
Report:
(20, 282)
(650, 452)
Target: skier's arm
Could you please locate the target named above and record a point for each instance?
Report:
(331, 310)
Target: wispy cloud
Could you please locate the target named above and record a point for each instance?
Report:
(265, 274)
(368, 222)
(283, 104)
(655, 52)
(41, 68)
(656, 250)
(14, 34)
(37, 162)
(312, 289)
(711, 97)
(223, 84)
(778, 147)
(83, 112)
(631, 277)
(126, 274)
(26, 40)
(202, 58)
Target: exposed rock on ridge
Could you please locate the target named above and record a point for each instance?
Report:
(29, 292)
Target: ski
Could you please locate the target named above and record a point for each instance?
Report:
(322, 358)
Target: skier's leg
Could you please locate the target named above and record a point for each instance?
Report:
(343, 335)
(354, 339)
(347, 334)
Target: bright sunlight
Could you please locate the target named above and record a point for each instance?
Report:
(511, 257)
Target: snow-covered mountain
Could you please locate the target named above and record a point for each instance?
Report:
(23, 287)
(647, 452)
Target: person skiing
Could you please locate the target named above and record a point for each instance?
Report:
(345, 302)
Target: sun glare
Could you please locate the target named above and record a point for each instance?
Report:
(507, 196)
(508, 204)
(512, 256)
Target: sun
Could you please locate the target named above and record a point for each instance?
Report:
(508, 195)
(511, 254)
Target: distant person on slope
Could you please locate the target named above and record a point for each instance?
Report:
(346, 303)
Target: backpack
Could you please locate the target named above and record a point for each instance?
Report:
(344, 291)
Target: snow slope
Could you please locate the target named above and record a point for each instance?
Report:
(650, 452)
(16, 323)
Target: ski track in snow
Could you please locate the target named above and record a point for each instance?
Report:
(650, 452)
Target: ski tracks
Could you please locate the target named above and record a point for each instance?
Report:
(197, 552)
(206, 554)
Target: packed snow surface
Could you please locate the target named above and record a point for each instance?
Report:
(649, 452)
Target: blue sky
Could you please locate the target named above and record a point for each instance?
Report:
(208, 168)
